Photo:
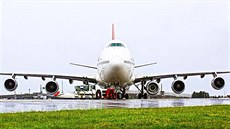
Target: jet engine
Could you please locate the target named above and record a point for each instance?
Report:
(178, 86)
(52, 87)
(152, 88)
(218, 83)
(10, 84)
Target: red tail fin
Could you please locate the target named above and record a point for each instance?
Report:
(113, 34)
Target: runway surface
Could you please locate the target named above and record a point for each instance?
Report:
(54, 105)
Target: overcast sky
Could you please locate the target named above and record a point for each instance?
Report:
(39, 36)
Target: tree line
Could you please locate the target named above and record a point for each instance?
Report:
(200, 94)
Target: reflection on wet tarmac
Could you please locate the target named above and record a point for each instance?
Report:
(53, 105)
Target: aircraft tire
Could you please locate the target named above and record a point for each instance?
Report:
(139, 96)
(119, 96)
(145, 96)
(98, 94)
(126, 96)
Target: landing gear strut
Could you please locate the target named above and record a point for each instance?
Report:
(124, 94)
(142, 94)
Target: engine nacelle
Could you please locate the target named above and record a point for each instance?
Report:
(218, 83)
(11, 84)
(178, 86)
(52, 87)
(152, 88)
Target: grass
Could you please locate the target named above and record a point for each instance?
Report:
(177, 117)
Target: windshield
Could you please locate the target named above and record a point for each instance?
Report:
(82, 88)
(116, 45)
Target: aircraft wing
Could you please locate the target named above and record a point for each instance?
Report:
(184, 75)
(53, 76)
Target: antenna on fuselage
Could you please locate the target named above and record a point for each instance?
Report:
(113, 33)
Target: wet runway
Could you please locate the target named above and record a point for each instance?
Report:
(54, 105)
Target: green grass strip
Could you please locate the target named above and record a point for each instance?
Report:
(175, 117)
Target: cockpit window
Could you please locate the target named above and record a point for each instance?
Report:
(116, 45)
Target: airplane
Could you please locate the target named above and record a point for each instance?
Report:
(115, 68)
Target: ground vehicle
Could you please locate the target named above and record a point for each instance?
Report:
(95, 92)
(85, 91)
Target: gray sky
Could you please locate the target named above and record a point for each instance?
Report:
(39, 36)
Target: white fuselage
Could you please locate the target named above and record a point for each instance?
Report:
(115, 65)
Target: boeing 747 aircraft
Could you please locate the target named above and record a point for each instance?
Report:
(115, 69)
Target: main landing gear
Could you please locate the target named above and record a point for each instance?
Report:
(142, 94)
